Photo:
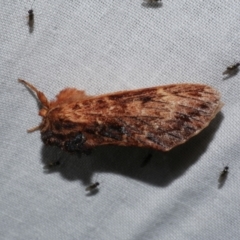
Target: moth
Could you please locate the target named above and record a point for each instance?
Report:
(159, 118)
(232, 70)
(92, 186)
(223, 177)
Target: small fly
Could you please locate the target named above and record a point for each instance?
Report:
(223, 177)
(232, 70)
(92, 187)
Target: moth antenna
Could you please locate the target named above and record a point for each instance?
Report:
(41, 97)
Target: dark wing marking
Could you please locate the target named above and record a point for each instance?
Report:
(159, 118)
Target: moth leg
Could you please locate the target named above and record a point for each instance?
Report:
(33, 129)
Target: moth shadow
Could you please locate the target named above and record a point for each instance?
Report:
(160, 170)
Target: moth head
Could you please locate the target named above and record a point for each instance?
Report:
(41, 97)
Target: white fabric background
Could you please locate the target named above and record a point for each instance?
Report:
(104, 46)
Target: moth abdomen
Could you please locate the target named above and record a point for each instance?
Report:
(74, 142)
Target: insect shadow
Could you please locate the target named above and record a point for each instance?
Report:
(152, 4)
(93, 192)
(162, 170)
(231, 71)
(233, 74)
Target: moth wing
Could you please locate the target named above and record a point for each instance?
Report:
(160, 117)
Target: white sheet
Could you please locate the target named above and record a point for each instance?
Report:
(106, 46)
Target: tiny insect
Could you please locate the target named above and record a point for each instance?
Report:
(52, 165)
(31, 19)
(223, 177)
(146, 160)
(92, 186)
(160, 118)
(232, 70)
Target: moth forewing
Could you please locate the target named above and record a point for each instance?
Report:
(159, 118)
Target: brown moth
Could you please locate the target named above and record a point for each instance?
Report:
(159, 117)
